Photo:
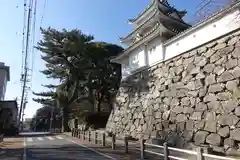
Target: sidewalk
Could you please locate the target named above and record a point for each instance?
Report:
(118, 153)
(12, 149)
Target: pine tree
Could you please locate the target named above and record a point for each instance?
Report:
(82, 67)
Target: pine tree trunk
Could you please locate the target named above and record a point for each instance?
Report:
(62, 123)
(99, 106)
(64, 120)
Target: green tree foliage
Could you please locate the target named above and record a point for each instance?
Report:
(82, 67)
(42, 118)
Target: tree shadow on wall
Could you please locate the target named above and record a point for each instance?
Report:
(136, 86)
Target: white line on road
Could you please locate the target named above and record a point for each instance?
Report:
(29, 139)
(25, 150)
(59, 137)
(102, 154)
(50, 138)
(40, 138)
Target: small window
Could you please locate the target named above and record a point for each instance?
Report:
(214, 25)
(177, 44)
(152, 50)
(194, 35)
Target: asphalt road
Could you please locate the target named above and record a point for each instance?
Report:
(43, 146)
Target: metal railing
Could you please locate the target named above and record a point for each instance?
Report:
(95, 135)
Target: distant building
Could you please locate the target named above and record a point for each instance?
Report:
(4, 78)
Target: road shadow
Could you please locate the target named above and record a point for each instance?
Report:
(64, 152)
(11, 154)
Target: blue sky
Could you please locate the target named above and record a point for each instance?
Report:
(105, 19)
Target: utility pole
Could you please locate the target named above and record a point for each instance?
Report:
(51, 119)
(25, 62)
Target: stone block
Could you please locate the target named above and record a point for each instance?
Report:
(237, 111)
(199, 125)
(228, 120)
(189, 125)
(232, 152)
(200, 75)
(225, 76)
(196, 116)
(220, 46)
(232, 85)
(188, 135)
(188, 110)
(236, 72)
(224, 96)
(235, 134)
(236, 52)
(201, 107)
(210, 126)
(209, 68)
(202, 92)
(216, 88)
(178, 109)
(181, 118)
(211, 79)
(224, 132)
(210, 98)
(228, 142)
(213, 139)
(173, 127)
(230, 105)
(193, 93)
(200, 137)
(185, 101)
(219, 70)
(166, 115)
(210, 116)
(232, 41)
(231, 63)
(209, 53)
(191, 85)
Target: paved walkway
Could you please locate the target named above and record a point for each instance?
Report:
(12, 149)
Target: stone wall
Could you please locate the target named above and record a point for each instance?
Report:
(191, 100)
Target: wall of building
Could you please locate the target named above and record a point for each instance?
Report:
(137, 59)
(193, 38)
(155, 51)
(190, 100)
(3, 83)
(203, 34)
(134, 61)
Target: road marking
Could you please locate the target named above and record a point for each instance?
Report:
(29, 139)
(102, 154)
(25, 150)
(50, 138)
(59, 137)
(40, 138)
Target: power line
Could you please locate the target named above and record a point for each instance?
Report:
(33, 40)
(26, 56)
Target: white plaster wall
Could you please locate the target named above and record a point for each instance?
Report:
(203, 34)
(156, 56)
(135, 60)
